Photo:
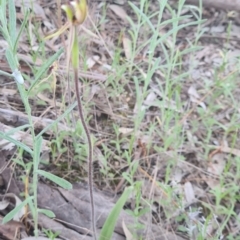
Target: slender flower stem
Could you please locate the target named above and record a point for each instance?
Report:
(75, 64)
(76, 16)
(90, 153)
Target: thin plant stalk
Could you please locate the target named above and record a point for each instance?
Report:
(75, 64)
(76, 15)
(27, 107)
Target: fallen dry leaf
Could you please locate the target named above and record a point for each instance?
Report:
(189, 192)
(125, 131)
(9, 230)
(195, 97)
(7, 199)
(128, 234)
(119, 11)
(92, 61)
(127, 46)
(217, 164)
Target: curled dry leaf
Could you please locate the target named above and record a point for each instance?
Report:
(3, 204)
(6, 201)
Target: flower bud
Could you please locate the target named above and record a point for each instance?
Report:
(80, 10)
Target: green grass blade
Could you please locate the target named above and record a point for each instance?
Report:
(58, 119)
(20, 128)
(6, 74)
(12, 61)
(26, 17)
(109, 225)
(12, 20)
(47, 212)
(59, 181)
(3, 22)
(17, 143)
(45, 67)
(143, 15)
(13, 213)
(3, 12)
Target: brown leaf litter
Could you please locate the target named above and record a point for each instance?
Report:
(189, 154)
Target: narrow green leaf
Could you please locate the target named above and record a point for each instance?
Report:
(58, 119)
(26, 17)
(143, 15)
(16, 142)
(12, 213)
(127, 177)
(12, 20)
(45, 67)
(3, 12)
(6, 74)
(12, 131)
(47, 212)
(13, 63)
(109, 225)
(20, 163)
(5, 33)
(32, 209)
(59, 181)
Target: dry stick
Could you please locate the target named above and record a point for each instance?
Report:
(90, 152)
